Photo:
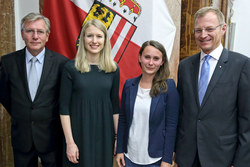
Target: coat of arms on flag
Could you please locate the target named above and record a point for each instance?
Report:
(129, 24)
(120, 29)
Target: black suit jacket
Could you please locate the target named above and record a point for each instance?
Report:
(34, 122)
(220, 128)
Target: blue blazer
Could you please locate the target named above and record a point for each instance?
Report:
(162, 120)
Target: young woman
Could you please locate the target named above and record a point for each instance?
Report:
(89, 101)
(149, 113)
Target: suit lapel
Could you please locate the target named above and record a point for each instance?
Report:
(48, 62)
(220, 67)
(194, 76)
(154, 102)
(133, 92)
(21, 63)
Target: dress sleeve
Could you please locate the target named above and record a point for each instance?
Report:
(65, 91)
(115, 91)
(122, 123)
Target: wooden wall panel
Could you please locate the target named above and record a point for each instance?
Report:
(188, 46)
(7, 44)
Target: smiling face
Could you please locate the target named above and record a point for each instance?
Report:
(94, 40)
(150, 60)
(208, 41)
(35, 36)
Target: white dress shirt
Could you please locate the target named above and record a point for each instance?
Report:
(39, 63)
(215, 55)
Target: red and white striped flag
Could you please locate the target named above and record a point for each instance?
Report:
(129, 24)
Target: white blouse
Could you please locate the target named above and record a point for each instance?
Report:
(139, 130)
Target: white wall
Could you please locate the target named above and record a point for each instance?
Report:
(22, 8)
(241, 18)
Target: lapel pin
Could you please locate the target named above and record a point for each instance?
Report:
(220, 66)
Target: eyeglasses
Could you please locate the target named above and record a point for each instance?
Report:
(32, 32)
(207, 29)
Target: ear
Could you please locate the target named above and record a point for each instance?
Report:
(139, 58)
(224, 28)
(47, 37)
(22, 34)
(162, 62)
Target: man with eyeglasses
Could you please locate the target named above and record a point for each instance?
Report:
(214, 87)
(29, 90)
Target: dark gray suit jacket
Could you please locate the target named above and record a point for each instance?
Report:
(34, 122)
(220, 128)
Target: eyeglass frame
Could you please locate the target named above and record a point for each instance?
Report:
(207, 29)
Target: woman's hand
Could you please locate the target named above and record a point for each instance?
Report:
(165, 164)
(120, 160)
(72, 153)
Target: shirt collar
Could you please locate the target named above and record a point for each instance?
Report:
(40, 56)
(215, 54)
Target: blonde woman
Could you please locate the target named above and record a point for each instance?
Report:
(89, 101)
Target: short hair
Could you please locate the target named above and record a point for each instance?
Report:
(159, 81)
(34, 17)
(203, 11)
(106, 61)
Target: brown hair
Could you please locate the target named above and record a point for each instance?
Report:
(159, 81)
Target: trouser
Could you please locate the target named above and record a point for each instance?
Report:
(131, 164)
(30, 159)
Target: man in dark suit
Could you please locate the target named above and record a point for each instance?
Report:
(214, 87)
(29, 91)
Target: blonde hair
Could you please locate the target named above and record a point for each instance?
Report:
(203, 11)
(106, 63)
(159, 81)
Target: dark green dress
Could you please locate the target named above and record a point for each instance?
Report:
(90, 99)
